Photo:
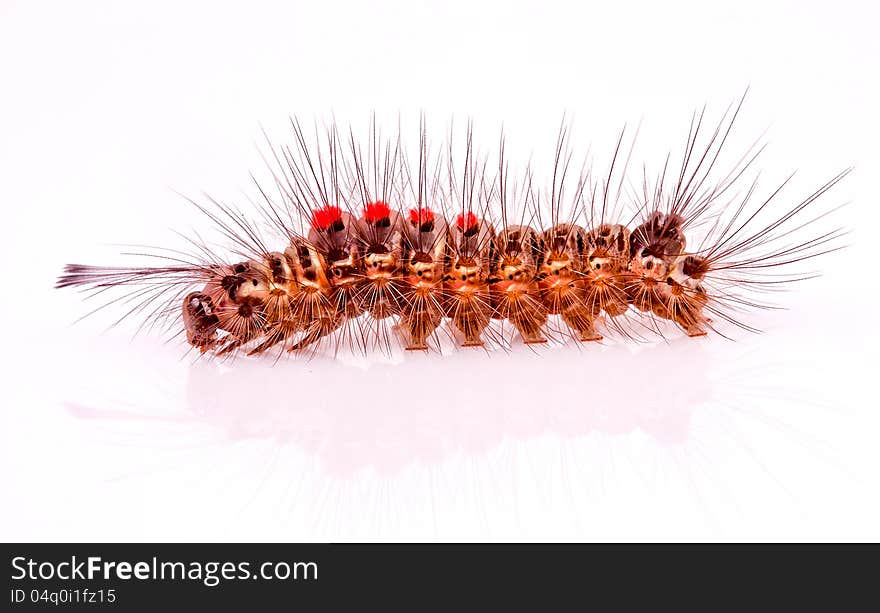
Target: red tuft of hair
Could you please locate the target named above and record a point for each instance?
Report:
(374, 211)
(325, 217)
(421, 215)
(466, 221)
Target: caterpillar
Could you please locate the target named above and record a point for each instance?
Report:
(374, 248)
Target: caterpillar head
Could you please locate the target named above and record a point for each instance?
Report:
(307, 264)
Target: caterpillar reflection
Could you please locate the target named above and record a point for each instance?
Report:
(374, 247)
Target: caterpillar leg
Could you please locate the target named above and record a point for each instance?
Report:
(683, 296)
(417, 328)
(529, 323)
(322, 315)
(695, 331)
(693, 323)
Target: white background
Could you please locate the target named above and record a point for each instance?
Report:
(109, 108)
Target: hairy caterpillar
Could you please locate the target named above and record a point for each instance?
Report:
(379, 247)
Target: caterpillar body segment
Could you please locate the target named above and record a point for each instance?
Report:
(467, 299)
(563, 280)
(423, 262)
(374, 252)
(516, 295)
